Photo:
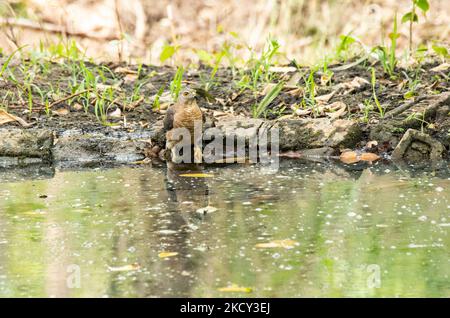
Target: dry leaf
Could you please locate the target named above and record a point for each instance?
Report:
(349, 157)
(325, 79)
(297, 92)
(130, 78)
(369, 156)
(287, 244)
(325, 98)
(338, 109)
(6, 118)
(167, 254)
(293, 81)
(282, 69)
(353, 157)
(441, 68)
(371, 144)
(235, 289)
(124, 70)
(61, 112)
(115, 114)
(77, 107)
(125, 268)
(268, 88)
(196, 175)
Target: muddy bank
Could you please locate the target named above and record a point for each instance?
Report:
(72, 131)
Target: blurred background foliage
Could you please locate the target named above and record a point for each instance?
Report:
(141, 30)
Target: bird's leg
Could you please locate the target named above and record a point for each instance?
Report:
(197, 138)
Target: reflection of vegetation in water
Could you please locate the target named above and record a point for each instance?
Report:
(342, 225)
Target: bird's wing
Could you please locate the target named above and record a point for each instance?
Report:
(168, 119)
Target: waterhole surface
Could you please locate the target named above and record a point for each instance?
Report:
(307, 230)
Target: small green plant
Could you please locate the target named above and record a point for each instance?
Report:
(309, 99)
(8, 60)
(412, 16)
(156, 103)
(374, 94)
(440, 51)
(418, 116)
(259, 67)
(214, 60)
(168, 52)
(175, 85)
(387, 55)
(261, 108)
(368, 107)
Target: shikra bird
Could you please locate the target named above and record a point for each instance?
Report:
(185, 113)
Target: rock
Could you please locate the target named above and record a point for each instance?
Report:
(417, 146)
(383, 133)
(26, 143)
(241, 128)
(73, 145)
(298, 134)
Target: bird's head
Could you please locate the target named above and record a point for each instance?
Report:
(187, 95)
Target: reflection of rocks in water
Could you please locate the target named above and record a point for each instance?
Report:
(12, 170)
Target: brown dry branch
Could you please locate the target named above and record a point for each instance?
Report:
(50, 28)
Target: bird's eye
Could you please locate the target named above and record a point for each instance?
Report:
(185, 94)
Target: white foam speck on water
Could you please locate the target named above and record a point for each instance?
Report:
(167, 232)
(351, 214)
(422, 218)
(444, 224)
(439, 189)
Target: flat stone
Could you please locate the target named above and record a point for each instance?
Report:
(98, 147)
(296, 134)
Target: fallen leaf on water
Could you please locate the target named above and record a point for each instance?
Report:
(125, 268)
(206, 210)
(7, 117)
(167, 254)
(235, 289)
(369, 156)
(196, 175)
(349, 157)
(287, 244)
(441, 68)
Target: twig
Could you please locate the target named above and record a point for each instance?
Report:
(402, 108)
(67, 98)
(51, 28)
